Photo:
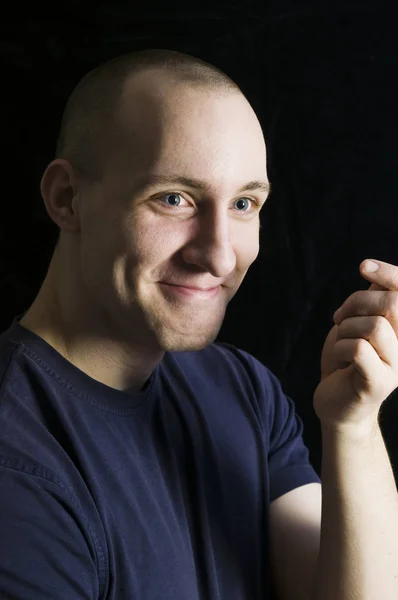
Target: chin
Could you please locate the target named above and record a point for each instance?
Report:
(174, 342)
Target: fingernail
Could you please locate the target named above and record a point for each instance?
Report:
(370, 266)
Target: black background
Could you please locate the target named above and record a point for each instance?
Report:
(322, 79)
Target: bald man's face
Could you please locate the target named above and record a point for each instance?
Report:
(170, 231)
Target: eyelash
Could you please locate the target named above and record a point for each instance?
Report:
(254, 201)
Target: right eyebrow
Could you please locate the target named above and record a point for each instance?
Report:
(153, 180)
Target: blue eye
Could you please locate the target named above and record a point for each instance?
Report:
(175, 199)
(242, 203)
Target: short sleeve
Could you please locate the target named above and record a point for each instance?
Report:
(44, 550)
(288, 457)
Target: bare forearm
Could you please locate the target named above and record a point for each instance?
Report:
(358, 557)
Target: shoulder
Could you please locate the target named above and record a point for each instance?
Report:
(37, 510)
(230, 371)
(9, 351)
(223, 360)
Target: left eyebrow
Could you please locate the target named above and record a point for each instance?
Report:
(253, 186)
(152, 180)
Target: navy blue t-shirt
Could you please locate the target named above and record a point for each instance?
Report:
(157, 495)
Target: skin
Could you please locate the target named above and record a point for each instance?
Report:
(358, 553)
(359, 362)
(107, 304)
(104, 308)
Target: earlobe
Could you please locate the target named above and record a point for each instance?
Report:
(59, 190)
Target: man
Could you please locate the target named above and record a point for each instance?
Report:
(139, 459)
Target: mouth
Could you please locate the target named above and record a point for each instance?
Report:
(190, 292)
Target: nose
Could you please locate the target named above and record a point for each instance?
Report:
(210, 247)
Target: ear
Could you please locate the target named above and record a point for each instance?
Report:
(59, 191)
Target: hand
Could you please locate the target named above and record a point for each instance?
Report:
(359, 364)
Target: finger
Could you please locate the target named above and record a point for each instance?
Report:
(380, 273)
(366, 303)
(360, 352)
(375, 330)
(375, 378)
(374, 286)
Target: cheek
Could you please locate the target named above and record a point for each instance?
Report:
(98, 257)
(246, 249)
(102, 246)
(151, 243)
(101, 233)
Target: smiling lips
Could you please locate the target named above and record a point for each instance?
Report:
(190, 291)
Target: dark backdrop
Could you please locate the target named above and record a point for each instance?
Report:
(322, 79)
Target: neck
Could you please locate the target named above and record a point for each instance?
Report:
(102, 355)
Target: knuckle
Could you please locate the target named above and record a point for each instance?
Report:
(379, 324)
(392, 304)
(361, 348)
(394, 277)
(355, 297)
(358, 299)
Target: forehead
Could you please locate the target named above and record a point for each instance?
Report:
(208, 135)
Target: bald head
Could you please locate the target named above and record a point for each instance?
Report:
(171, 176)
(91, 124)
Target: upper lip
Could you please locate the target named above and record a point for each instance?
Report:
(192, 287)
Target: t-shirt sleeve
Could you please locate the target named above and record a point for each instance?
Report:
(45, 552)
(288, 457)
(289, 466)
